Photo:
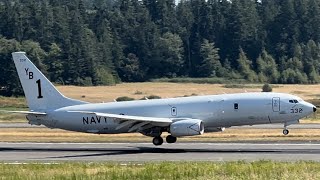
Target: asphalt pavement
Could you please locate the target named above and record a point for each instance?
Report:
(146, 152)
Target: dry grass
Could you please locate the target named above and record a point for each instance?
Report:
(166, 90)
(12, 102)
(238, 135)
(12, 118)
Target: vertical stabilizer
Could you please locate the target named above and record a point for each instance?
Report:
(39, 91)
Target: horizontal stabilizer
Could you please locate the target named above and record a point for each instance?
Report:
(26, 112)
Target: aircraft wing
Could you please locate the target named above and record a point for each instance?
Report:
(134, 122)
(26, 112)
(127, 117)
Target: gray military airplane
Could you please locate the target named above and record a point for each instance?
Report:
(185, 116)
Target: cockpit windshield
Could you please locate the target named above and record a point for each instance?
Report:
(294, 101)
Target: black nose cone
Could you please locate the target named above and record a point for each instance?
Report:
(314, 109)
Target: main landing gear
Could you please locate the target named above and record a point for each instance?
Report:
(157, 141)
(171, 139)
(285, 132)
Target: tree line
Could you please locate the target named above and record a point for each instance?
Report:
(103, 42)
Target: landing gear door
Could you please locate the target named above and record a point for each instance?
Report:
(276, 104)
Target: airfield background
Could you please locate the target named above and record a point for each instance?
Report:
(103, 42)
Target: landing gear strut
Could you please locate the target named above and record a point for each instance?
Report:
(157, 141)
(171, 139)
(285, 132)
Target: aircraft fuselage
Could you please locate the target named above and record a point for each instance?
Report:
(215, 111)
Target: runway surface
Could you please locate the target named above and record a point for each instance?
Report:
(146, 152)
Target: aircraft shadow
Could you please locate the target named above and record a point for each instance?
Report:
(95, 152)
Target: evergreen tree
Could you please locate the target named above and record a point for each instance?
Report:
(210, 65)
(267, 68)
(170, 55)
(55, 64)
(245, 68)
(311, 59)
(83, 42)
(285, 32)
(130, 69)
(186, 20)
(269, 11)
(312, 23)
(165, 16)
(243, 25)
(9, 83)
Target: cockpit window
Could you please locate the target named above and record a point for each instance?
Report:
(293, 101)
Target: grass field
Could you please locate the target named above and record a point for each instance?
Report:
(166, 90)
(261, 170)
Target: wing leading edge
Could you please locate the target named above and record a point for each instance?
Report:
(26, 112)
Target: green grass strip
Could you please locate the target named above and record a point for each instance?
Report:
(165, 170)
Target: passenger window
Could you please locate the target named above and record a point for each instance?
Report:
(295, 101)
(174, 111)
(236, 106)
(290, 101)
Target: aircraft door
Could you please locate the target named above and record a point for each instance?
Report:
(276, 107)
(276, 104)
(220, 113)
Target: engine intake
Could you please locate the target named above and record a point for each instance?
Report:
(190, 127)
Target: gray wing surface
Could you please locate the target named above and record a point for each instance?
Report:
(134, 122)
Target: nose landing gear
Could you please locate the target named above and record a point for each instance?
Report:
(286, 124)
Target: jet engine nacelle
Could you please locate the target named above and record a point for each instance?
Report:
(188, 127)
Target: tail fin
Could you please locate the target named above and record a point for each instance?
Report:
(39, 91)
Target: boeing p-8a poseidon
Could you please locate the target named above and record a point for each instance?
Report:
(187, 116)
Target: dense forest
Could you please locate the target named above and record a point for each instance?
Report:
(103, 42)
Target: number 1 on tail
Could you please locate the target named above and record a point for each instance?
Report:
(39, 89)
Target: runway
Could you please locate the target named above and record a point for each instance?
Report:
(146, 152)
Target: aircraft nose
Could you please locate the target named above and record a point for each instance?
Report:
(314, 109)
